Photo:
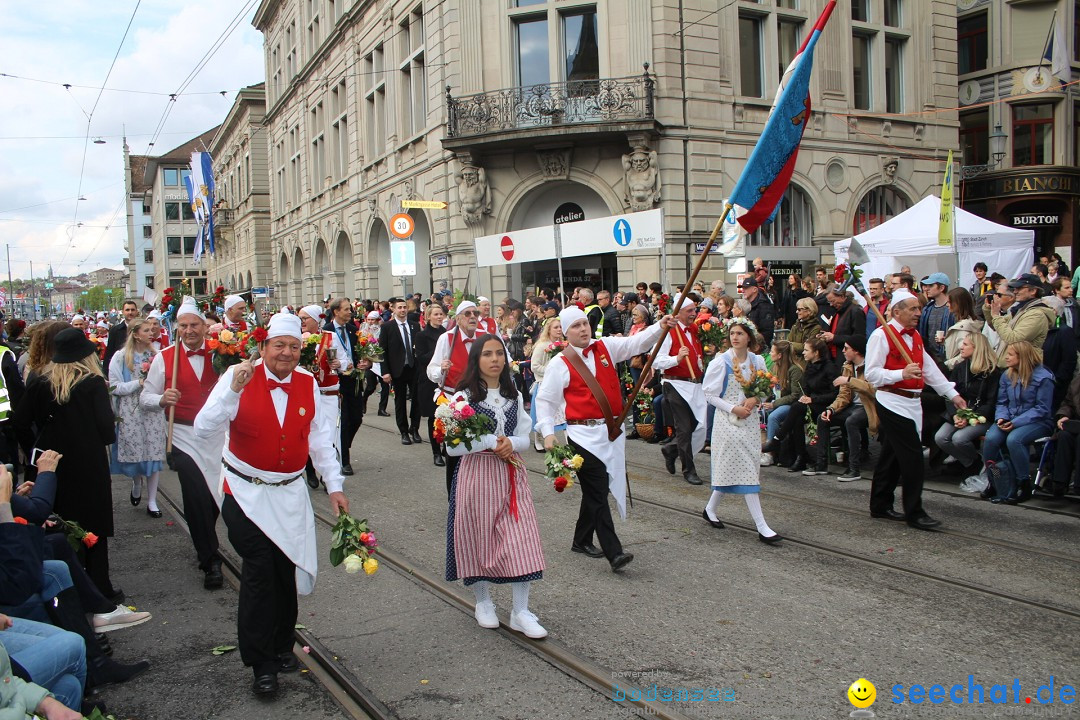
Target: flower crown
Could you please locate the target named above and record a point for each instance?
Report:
(750, 326)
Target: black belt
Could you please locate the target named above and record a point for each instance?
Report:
(669, 378)
(259, 481)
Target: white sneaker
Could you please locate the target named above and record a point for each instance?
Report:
(766, 459)
(485, 615)
(119, 619)
(527, 624)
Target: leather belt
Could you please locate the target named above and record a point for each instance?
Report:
(259, 481)
(178, 421)
(329, 392)
(669, 378)
(591, 422)
(915, 394)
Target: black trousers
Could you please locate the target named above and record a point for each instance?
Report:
(267, 610)
(901, 462)
(57, 548)
(352, 414)
(200, 508)
(1066, 460)
(375, 382)
(683, 418)
(405, 389)
(451, 466)
(595, 515)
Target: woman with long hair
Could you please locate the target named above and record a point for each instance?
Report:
(818, 392)
(139, 450)
(40, 351)
(550, 333)
(434, 315)
(977, 379)
(806, 324)
(66, 408)
(491, 530)
(788, 368)
(962, 308)
(1023, 415)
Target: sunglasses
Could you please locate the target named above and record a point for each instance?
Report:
(470, 313)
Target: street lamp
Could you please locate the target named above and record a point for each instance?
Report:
(997, 152)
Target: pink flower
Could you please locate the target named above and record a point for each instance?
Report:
(468, 412)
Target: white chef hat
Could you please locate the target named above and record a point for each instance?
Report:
(284, 325)
(571, 315)
(465, 305)
(315, 312)
(374, 315)
(232, 301)
(188, 307)
(900, 296)
(481, 299)
(686, 301)
(77, 318)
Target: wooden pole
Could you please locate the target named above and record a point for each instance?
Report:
(885, 326)
(175, 376)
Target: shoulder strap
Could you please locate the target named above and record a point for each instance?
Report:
(450, 342)
(573, 356)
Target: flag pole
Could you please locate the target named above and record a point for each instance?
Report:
(1046, 46)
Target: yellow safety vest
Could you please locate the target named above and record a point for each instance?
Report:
(599, 333)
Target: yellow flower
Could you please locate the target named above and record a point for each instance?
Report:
(455, 441)
(576, 462)
(225, 336)
(371, 565)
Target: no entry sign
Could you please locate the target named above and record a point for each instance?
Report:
(506, 245)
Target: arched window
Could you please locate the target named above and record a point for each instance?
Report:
(793, 225)
(877, 206)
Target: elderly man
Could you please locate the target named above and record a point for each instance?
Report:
(197, 461)
(610, 323)
(762, 313)
(273, 422)
(486, 324)
(681, 360)
(234, 313)
(569, 383)
(899, 388)
(1027, 318)
(846, 323)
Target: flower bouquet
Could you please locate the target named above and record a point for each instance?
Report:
(760, 384)
(643, 404)
(368, 348)
(227, 348)
(353, 544)
(712, 334)
(972, 417)
(562, 464)
(456, 423)
(555, 348)
(663, 304)
(810, 427)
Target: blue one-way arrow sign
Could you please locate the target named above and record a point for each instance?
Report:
(622, 233)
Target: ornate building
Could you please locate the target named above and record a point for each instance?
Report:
(522, 113)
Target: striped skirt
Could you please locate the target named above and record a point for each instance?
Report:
(484, 541)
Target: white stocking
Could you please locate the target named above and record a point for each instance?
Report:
(151, 491)
(482, 592)
(753, 504)
(521, 597)
(136, 486)
(714, 502)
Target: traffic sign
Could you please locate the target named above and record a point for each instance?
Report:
(618, 233)
(425, 204)
(402, 257)
(621, 231)
(402, 226)
(506, 247)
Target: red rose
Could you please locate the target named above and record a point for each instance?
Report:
(560, 484)
(20, 521)
(839, 272)
(90, 539)
(259, 334)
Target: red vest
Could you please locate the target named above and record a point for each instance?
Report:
(459, 359)
(682, 369)
(193, 390)
(895, 361)
(255, 435)
(580, 403)
(487, 325)
(238, 326)
(324, 376)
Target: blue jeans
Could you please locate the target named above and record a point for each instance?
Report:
(1017, 441)
(54, 658)
(961, 443)
(772, 423)
(57, 579)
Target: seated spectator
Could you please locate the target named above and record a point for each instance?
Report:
(1059, 351)
(1022, 416)
(788, 368)
(817, 392)
(853, 409)
(48, 656)
(977, 379)
(25, 699)
(806, 326)
(964, 324)
(1067, 455)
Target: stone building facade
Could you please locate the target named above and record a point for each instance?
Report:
(522, 113)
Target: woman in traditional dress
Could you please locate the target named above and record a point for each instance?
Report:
(139, 450)
(736, 443)
(491, 530)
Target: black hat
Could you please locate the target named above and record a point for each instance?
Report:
(630, 297)
(749, 282)
(1025, 280)
(70, 345)
(550, 306)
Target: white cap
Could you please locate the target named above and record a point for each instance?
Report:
(465, 305)
(571, 315)
(232, 301)
(686, 301)
(77, 318)
(315, 312)
(284, 325)
(481, 299)
(900, 296)
(188, 307)
(374, 315)
(155, 314)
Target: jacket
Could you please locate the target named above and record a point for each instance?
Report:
(857, 384)
(794, 386)
(1031, 322)
(850, 322)
(818, 382)
(762, 314)
(1059, 357)
(1070, 406)
(1027, 405)
(955, 335)
(927, 332)
(18, 698)
(802, 331)
(395, 354)
(980, 391)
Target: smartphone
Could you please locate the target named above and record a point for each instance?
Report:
(35, 454)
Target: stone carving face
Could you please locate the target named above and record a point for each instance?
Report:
(470, 175)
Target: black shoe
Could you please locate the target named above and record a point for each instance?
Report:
(383, 413)
(988, 492)
(405, 439)
(669, 454)
(654, 439)
(212, 578)
(153, 513)
(771, 446)
(798, 466)
(312, 479)
(440, 461)
(715, 523)
(265, 684)
(589, 550)
(692, 478)
(772, 540)
(620, 561)
(667, 440)
(106, 671)
(135, 499)
(887, 515)
(346, 469)
(633, 435)
(416, 437)
(287, 663)
(1024, 494)
(924, 522)
(103, 643)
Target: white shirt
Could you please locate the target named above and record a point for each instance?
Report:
(665, 360)
(497, 403)
(442, 352)
(877, 348)
(691, 392)
(716, 376)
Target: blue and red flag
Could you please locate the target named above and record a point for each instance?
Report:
(766, 176)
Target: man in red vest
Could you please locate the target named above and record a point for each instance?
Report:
(681, 360)
(234, 313)
(604, 466)
(899, 391)
(273, 422)
(197, 462)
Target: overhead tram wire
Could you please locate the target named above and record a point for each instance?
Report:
(68, 86)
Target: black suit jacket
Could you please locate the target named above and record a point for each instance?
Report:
(393, 345)
(117, 338)
(851, 323)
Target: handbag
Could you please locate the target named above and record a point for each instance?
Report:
(1002, 478)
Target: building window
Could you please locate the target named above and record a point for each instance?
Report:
(339, 132)
(860, 10)
(793, 225)
(295, 181)
(148, 256)
(172, 244)
(171, 176)
(280, 194)
(789, 4)
(413, 75)
(892, 13)
(314, 36)
(335, 9)
(531, 43)
(172, 211)
(894, 75)
(318, 149)
(291, 64)
(860, 70)
(788, 38)
(189, 245)
(148, 281)
(1033, 134)
(198, 286)
(580, 46)
(975, 137)
(750, 60)
(878, 56)
(375, 102)
(877, 206)
(971, 40)
(145, 207)
(275, 66)
(147, 231)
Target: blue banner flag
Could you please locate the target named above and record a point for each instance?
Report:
(200, 187)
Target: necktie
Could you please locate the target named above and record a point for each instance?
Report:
(275, 385)
(343, 337)
(201, 351)
(408, 343)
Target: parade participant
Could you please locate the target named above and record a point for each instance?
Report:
(681, 360)
(79, 321)
(372, 326)
(491, 530)
(269, 516)
(234, 314)
(160, 335)
(139, 450)
(899, 387)
(195, 460)
(735, 454)
(604, 466)
(434, 315)
(397, 338)
(118, 332)
(352, 401)
(450, 358)
(486, 324)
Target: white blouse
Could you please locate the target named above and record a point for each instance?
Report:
(717, 373)
(497, 404)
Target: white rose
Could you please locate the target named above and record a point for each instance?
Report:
(353, 564)
(982, 420)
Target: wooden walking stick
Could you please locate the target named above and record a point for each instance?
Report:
(857, 255)
(175, 375)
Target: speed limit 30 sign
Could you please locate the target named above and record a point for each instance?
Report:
(402, 225)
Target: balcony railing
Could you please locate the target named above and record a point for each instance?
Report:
(222, 217)
(574, 102)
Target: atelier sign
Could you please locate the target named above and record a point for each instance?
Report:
(568, 212)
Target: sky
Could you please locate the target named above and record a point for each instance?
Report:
(44, 126)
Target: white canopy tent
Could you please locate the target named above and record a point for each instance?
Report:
(911, 238)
